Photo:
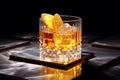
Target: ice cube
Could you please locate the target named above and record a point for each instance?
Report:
(65, 29)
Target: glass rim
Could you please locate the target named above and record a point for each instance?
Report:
(73, 18)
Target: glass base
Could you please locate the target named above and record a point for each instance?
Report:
(60, 56)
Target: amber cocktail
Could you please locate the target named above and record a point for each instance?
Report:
(60, 42)
(60, 38)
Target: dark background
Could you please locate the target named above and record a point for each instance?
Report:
(22, 16)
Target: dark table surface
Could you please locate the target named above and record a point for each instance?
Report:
(91, 70)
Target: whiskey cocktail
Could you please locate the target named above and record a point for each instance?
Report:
(60, 38)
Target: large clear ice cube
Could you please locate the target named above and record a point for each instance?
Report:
(65, 29)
